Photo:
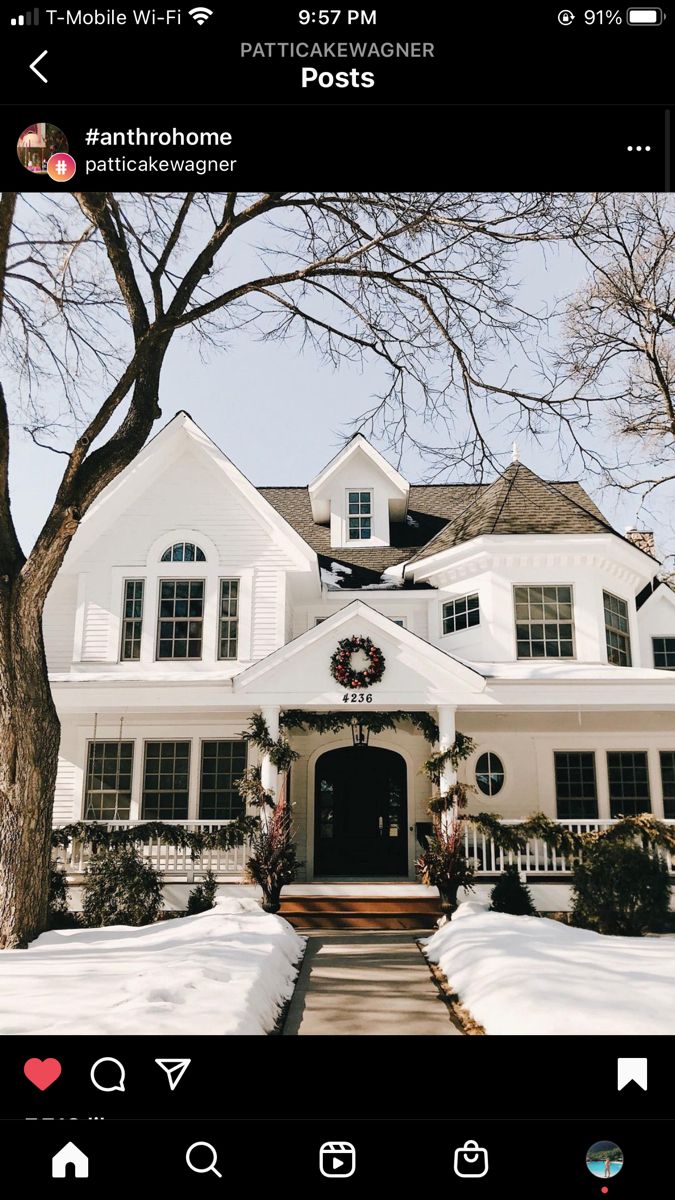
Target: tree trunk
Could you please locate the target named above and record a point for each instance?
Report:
(29, 744)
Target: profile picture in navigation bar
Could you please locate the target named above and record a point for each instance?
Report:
(37, 144)
(604, 1160)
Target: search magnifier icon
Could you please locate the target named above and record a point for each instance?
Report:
(211, 1166)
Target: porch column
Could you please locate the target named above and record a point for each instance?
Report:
(268, 772)
(446, 738)
(655, 782)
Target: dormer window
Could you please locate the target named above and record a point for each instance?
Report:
(183, 552)
(360, 516)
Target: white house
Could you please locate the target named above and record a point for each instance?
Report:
(511, 611)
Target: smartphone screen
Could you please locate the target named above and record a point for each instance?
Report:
(337, 598)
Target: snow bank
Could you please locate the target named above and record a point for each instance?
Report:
(225, 971)
(533, 975)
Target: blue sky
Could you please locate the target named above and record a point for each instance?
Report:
(280, 415)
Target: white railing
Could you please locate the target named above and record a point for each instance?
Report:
(175, 862)
(536, 858)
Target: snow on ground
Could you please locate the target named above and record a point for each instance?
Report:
(534, 975)
(225, 971)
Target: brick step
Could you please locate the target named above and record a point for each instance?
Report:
(356, 904)
(359, 920)
(361, 912)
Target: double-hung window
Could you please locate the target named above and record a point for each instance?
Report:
(166, 778)
(617, 630)
(664, 653)
(228, 632)
(107, 795)
(359, 516)
(544, 621)
(132, 619)
(223, 764)
(668, 783)
(575, 787)
(628, 782)
(181, 618)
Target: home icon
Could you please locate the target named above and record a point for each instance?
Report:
(70, 1156)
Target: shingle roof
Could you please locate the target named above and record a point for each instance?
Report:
(443, 515)
(520, 502)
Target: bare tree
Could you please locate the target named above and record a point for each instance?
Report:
(619, 335)
(94, 288)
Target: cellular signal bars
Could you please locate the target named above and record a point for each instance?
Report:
(31, 18)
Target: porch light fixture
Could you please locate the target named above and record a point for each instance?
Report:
(360, 733)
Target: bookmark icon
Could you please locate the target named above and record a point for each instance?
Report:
(631, 1070)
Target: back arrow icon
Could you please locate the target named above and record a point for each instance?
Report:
(33, 66)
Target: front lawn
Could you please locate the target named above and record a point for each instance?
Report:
(228, 970)
(534, 975)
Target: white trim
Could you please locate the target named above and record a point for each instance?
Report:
(500, 759)
(171, 438)
(609, 551)
(181, 578)
(348, 541)
(359, 444)
(427, 653)
(514, 620)
(445, 600)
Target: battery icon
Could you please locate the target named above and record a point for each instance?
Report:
(644, 16)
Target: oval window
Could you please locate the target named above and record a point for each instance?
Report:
(489, 774)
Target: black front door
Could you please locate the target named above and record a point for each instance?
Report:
(361, 817)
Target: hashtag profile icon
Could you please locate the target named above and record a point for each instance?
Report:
(61, 167)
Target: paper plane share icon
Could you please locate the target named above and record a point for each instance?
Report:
(174, 1069)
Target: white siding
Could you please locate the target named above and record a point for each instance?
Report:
(188, 494)
(656, 619)
(59, 622)
(267, 596)
(64, 794)
(97, 622)
(185, 496)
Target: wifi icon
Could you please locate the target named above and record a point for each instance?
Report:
(200, 15)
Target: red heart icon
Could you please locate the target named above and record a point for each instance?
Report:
(42, 1074)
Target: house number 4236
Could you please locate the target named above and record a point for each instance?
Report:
(357, 698)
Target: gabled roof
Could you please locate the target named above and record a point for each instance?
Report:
(661, 589)
(170, 440)
(421, 657)
(358, 444)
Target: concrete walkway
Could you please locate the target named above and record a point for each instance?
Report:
(366, 983)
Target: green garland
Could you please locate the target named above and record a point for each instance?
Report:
(279, 752)
(569, 842)
(96, 835)
(376, 722)
(436, 763)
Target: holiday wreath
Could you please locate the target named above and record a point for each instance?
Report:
(341, 663)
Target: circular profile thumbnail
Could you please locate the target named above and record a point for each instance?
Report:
(604, 1160)
(37, 144)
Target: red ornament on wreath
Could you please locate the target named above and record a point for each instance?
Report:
(341, 663)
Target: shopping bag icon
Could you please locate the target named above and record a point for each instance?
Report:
(471, 1161)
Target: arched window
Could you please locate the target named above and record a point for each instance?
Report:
(489, 774)
(183, 552)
